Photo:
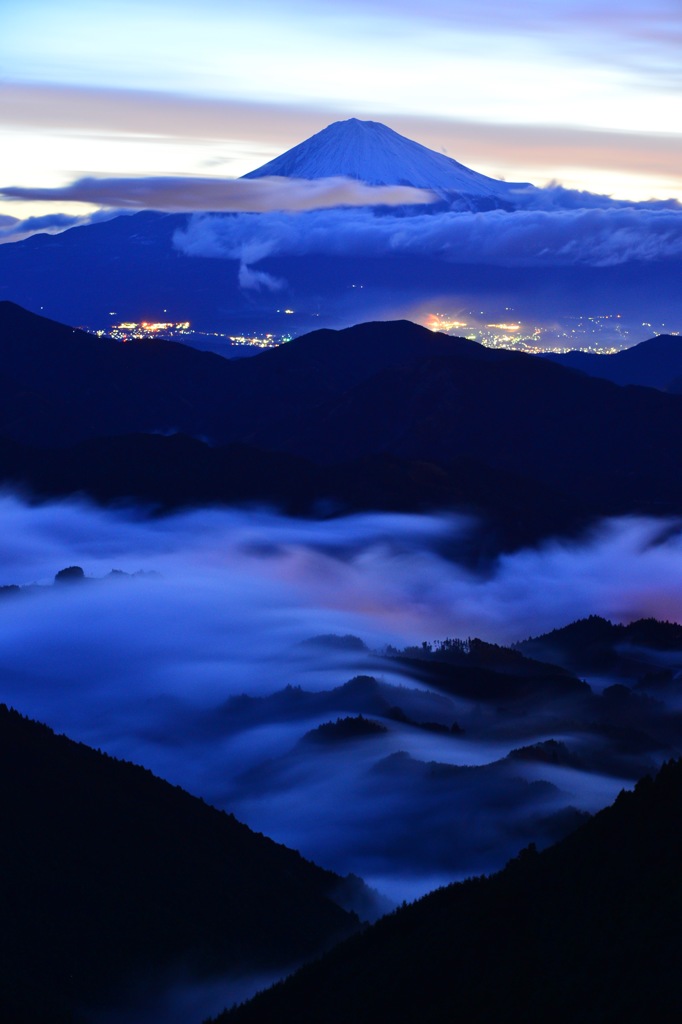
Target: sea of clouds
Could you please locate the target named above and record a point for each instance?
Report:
(144, 666)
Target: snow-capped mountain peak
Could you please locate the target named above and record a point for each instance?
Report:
(371, 152)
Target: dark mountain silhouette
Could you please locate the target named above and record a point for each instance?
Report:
(598, 646)
(179, 471)
(628, 724)
(656, 363)
(62, 385)
(385, 415)
(509, 412)
(110, 876)
(473, 680)
(587, 930)
(361, 696)
(344, 730)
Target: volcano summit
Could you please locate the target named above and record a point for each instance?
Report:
(371, 152)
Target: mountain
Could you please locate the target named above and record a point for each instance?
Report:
(244, 274)
(511, 412)
(656, 363)
(382, 415)
(587, 930)
(371, 152)
(595, 645)
(110, 876)
(61, 385)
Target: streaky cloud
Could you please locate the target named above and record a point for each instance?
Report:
(13, 229)
(184, 194)
(255, 131)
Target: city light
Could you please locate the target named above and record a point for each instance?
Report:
(182, 330)
(603, 333)
(146, 329)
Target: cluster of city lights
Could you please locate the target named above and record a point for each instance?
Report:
(127, 330)
(605, 333)
(260, 341)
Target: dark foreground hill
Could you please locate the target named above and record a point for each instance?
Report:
(381, 415)
(656, 363)
(110, 876)
(178, 471)
(589, 930)
(595, 645)
(60, 386)
(613, 448)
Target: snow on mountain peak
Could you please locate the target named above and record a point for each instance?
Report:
(371, 152)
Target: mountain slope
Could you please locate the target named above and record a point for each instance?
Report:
(180, 471)
(612, 447)
(414, 403)
(587, 930)
(656, 363)
(371, 152)
(595, 645)
(61, 385)
(108, 874)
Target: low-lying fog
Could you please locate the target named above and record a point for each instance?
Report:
(145, 667)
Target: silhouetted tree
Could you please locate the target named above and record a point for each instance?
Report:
(73, 574)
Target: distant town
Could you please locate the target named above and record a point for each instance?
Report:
(182, 331)
(604, 333)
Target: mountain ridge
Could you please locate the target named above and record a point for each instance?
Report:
(392, 394)
(587, 930)
(656, 363)
(109, 874)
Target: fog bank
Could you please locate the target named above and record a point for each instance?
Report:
(148, 667)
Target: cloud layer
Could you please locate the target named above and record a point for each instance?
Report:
(147, 667)
(181, 194)
(13, 229)
(605, 235)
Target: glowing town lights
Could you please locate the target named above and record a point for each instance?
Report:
(181, 330)
(591, 331)
(441, 322)
(147, 329)
(154, 328)
(266, 341)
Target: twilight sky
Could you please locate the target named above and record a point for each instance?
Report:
(586, 93)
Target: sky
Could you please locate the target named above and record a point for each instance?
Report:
(587, 94)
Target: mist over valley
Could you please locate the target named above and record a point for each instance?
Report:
(216, 666)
